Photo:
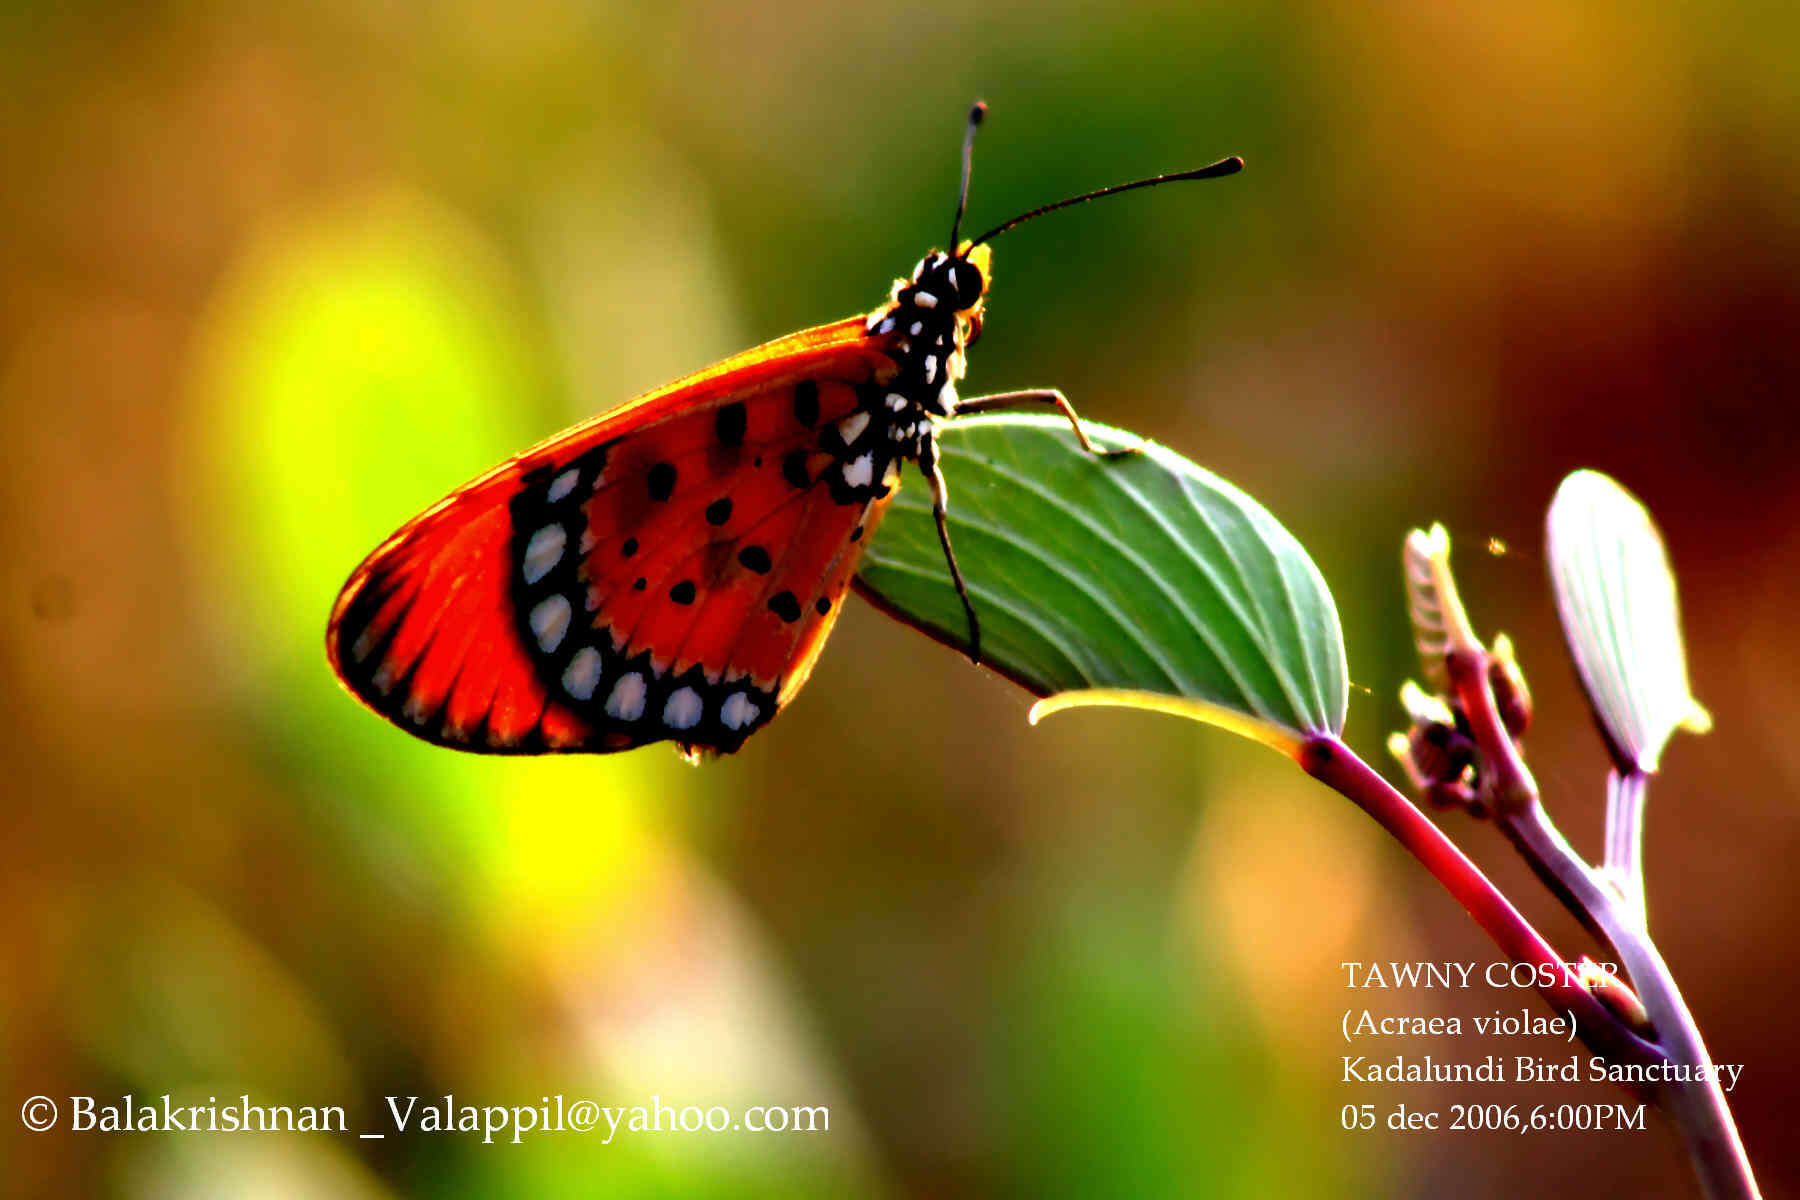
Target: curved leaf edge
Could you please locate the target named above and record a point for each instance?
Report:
(1278, 738)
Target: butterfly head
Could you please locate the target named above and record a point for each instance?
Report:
(959, 281)
(953, 286)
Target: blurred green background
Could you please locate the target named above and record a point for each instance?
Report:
(272, 280)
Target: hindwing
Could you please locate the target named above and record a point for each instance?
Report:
(669, 570)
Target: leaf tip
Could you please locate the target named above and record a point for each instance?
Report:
(1698, 720)
(1429, 544)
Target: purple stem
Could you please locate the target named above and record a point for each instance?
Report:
(1697, 1107)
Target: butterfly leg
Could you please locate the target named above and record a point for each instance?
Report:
(1051, 396)
(940, 512)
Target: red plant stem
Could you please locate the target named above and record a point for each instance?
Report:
(1337, 766)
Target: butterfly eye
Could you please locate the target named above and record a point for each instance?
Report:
(963, 283)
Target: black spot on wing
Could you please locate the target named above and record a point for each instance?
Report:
(806, 403)
(793, 469)
(785, 605)
(730, 424)
(662, 481)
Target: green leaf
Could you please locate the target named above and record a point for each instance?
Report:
(1616, 597)
(1143, 574)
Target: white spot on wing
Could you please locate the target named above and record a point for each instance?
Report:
(895, 401)
(550, 621)
(683, 709)
(931, 368)
(544, 551)
(918, 327)
(851, 427)
(860, 470)
(582, 673)
(626, 702)
(563, 484)
(738, 711)
(924, 299)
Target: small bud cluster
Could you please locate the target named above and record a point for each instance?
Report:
(1439, 752)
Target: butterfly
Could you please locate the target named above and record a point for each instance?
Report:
(670, 570)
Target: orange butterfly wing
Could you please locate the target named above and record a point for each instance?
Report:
(668, 570)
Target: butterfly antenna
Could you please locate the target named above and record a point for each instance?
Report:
(1218, 170)
(976, 113)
